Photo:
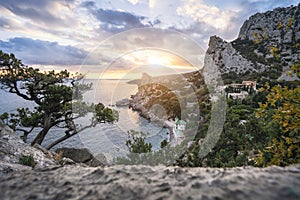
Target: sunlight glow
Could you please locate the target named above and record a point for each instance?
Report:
(129, 66)
(154, 57)
(159, 60)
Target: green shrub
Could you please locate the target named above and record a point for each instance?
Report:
(27, 160)
(163, 144)
(136, 142)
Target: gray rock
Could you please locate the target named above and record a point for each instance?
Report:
(228, 59)
(123, 102)
(66, 161)
(12, 148)
(160, 182)
(102, 158)
(82, 156)
(77, 155)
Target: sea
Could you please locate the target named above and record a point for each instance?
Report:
(106, 139)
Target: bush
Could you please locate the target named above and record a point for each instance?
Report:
(27, 160)
(136, 142)
(163, 144)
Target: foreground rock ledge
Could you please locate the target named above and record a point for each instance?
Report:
(144, 182)
(48, 180)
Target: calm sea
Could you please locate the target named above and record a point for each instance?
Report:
(108, 139)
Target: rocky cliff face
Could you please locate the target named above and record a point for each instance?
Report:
(12, 148)
(281, 26)
(267, 45)
(228, 59)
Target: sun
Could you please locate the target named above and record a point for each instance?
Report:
(156, 58)
(153, 59)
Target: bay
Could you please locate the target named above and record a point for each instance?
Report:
(108, 139)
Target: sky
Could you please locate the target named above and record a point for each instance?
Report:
(109, 39)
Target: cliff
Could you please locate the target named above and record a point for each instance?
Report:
(267, 45)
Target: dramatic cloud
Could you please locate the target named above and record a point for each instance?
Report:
(210, 15)
(43, 52)
(6, 23)
(115, 21)
(33, 9)
(65, 31)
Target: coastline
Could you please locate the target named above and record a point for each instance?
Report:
(143, 112)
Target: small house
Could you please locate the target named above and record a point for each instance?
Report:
(178, 128)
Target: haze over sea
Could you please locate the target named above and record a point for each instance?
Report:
(104, 138)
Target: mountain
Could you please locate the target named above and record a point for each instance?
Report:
(267, 45)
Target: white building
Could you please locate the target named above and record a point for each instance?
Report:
(241, 95)
(178, 128)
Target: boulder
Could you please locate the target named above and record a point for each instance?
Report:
(80, 156)
(123, 102)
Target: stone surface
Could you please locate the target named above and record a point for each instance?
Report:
(82, 156)
(77, 155)
(51, 181)
(144, 182)
(268, 22)
(228, 59)
(12, 148)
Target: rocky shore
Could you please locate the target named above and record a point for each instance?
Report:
(144, 112)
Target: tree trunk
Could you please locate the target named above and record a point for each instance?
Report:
(59, 140)
(67, 136)
(41, 136)
(26, 133)
(25, 137)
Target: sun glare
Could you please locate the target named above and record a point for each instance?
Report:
(159, 60)
(153, 57)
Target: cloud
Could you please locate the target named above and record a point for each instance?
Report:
(5, 23)
(43, 52)
(86, 24)
(113, 20)
(250, 7)
(32, 9)
(208, 14)
(88, 4)
(133, 1)
(130, 42)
